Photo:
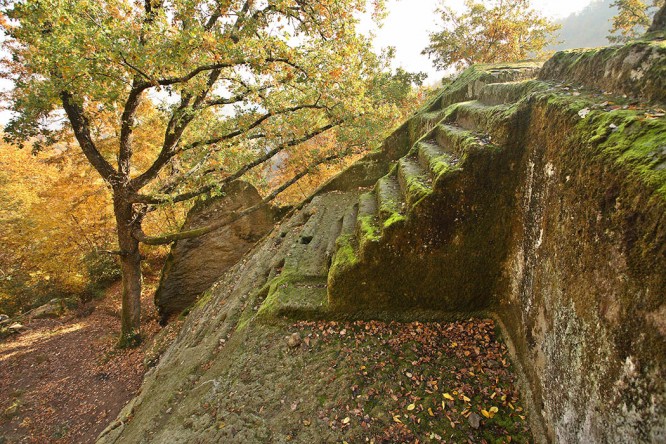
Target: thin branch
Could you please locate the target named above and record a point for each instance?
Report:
(173, 182)
(81, 127)
(272, 153)
(174, 130)
(197, 232)
(156, 200)
(234, 99)
(253, 125)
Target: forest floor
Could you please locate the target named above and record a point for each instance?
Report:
(63, 380)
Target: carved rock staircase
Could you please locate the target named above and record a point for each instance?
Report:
(430, 233)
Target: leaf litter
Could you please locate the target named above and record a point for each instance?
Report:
(421, 381)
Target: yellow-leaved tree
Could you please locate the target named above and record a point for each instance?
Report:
(633, 18)
(489, 32)
(236, 79)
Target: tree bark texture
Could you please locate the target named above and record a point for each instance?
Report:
(130, 264)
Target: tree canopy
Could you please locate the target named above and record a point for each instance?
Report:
(489, 32)
(632, 19)
(231, 84)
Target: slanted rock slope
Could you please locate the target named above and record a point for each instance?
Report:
(536, 195)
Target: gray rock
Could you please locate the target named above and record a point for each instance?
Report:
(16, 327)
(659, 22)
(294, 340)
(195, 264)
(474, 420)
(52, 309)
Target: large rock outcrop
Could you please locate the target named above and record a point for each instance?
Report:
(537, 196)
(193, 265)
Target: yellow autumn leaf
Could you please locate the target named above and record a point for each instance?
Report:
(466, 399)
(485, 413)
(411, 407)
(449, 397)
(430, 412)
(397, 419)
(346, 420)
(494, 409)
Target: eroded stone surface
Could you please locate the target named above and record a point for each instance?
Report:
(195, 264)
(559, 216)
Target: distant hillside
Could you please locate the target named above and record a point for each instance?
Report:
(588, 28)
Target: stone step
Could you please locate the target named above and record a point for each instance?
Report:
(424, 123)
(434, 158)
(390, 201)
(471, 88)
(454, 139)
(509, 92)
(415, 182)
(476, 117)
(311, 252)
(349, 220)
(515, 72)
(367, 224)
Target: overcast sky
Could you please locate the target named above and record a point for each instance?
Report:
(409, 22)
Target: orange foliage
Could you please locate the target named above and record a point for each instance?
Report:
(57, 219)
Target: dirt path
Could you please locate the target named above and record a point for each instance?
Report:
(62, 380)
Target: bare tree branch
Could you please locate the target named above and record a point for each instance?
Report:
(81, 127)
(126, 129)
(156, 200)
(197, 232)
(234, 99)
(253, 125)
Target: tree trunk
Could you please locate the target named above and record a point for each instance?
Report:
(130, 266)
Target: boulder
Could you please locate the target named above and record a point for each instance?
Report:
(52, 309)
(193, 265)
(16, 328)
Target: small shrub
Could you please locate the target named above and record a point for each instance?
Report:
(102, 270)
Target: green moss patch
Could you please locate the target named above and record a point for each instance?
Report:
(632, 136)
(634, 140)
(369, 230)
(293, 295)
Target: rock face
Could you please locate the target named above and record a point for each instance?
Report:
(195, 264)
(538, 196)
(659, 22)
